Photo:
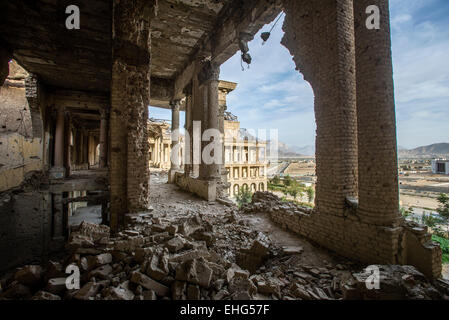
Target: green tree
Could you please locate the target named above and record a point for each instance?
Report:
(288, 181)
(243, 197)
(443, 209)
(293, 192)
(310, 194)
(275, 180)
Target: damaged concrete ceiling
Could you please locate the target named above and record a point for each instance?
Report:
(81, 59)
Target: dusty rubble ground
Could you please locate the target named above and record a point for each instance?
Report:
(186, 248)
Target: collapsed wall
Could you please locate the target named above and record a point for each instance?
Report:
(407, 244)
(19, 152)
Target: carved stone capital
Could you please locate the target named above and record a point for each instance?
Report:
(175, 105)
(210, 72)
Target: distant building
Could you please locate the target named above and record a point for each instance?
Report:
(160, 144)
(245, 160)
(440, 166)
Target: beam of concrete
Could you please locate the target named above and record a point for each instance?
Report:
(246, 18)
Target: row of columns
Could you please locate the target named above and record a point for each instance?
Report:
(202, 105)
(62, 140)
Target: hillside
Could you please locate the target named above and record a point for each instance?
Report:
(436, 150)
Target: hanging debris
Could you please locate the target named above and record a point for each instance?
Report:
(266, 35)
(243, 45)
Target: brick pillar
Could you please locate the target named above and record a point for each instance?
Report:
(103, 138)
(320, 36)
(378, 166)
(130, 95)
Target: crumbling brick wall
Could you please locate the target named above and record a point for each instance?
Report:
(19, 152)
(349, 69)
(320, 37)
(130, 93)
(352, 238)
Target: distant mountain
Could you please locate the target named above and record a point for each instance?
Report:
(436, 150)
(285, 150)
(306, 150)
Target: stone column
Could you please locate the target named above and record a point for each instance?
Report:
(130, 96)
(67, 138)
(188, 136)
(85, 146)
(58, 170)
(320, 37)
(204, 95)
(174, 153)
(213, 74)
(197, 117)
(103, 138)
(377, 145)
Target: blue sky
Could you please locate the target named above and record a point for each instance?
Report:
(272, 95)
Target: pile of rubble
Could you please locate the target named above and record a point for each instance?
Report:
(192, 257)
(268, 202)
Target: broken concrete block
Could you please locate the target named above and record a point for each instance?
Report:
(56, 285)
(149, 295)
(193, 292)
(157, 228)
(30, 276)
(129, 245)
(242, 285)
(95, 231)
(220, 295)
(195, 272)
(77, 241)
(142, 253)
(172, 229)
(122, 292)
(175, 244)
(204, 274)
(178, 290)
(102, 272)
(157, 267)
(271, 286)
(88, 291)
(208, 237)
(42, 295)
(188, 255)
(299, 291)
(149, 284)
(99, 260)
(291, 250)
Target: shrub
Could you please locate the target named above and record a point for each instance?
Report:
(244, 196)
(444, 244)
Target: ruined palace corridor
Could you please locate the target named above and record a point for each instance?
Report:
(99, 200)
